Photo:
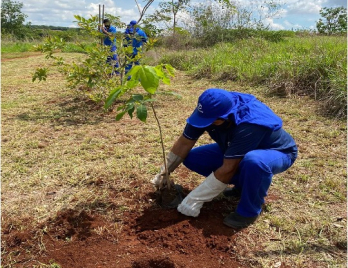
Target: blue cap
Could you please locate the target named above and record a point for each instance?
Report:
(213, 104)
(133, 22)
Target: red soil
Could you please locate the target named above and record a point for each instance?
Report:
(147, 236)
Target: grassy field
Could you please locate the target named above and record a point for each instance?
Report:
(57, 147)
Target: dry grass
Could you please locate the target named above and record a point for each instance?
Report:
(60, 151)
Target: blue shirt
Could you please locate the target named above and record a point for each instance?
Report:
(137, 38)
(251, 125)
(107, 40)
(237, 140)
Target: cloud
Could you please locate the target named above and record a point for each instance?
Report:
(290, 25)
(61, 13)
(273, 25)
(293, 13)
(303, 8)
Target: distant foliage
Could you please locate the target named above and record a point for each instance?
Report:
(12, 18)
(167, 13)
(333, 21)
(210, 23)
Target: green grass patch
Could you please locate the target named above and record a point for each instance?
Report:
(11, 47)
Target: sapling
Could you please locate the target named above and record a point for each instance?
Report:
(149, 78)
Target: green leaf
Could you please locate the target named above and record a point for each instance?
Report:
(149, 79)
(132, 83)
(131, 111)
(40, 73)
(169, 69)
(138, 97)
(119, 108)
(149, 100)
(120, 115)
(134, 72)
(142, 112)
(112, 96)
(166, 80)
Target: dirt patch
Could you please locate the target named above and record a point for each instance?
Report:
(19, 55)
(153, 237)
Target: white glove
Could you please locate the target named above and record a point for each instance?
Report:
(205, 192)
(173, 161)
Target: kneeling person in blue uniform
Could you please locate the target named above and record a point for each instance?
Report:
(250, 147)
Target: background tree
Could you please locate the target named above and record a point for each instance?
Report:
(12, 18)
(168, 13)
(334, 20)
(211, 22)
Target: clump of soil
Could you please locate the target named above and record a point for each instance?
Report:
(170, 198)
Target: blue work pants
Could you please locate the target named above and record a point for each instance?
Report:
(253, 177)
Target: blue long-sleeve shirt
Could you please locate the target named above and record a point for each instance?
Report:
(136, 39)
(107, 40)
(250, 125)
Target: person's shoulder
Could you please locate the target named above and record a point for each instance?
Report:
(140, 31)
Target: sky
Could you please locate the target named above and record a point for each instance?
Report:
(293, 15)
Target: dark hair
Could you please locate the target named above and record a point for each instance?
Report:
(106, 21)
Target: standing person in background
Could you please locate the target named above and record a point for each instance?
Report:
(136, 38)
(250, 147)
(110, 40)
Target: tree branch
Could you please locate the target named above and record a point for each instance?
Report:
(142, 12)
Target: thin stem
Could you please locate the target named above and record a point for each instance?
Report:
(162, 144)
